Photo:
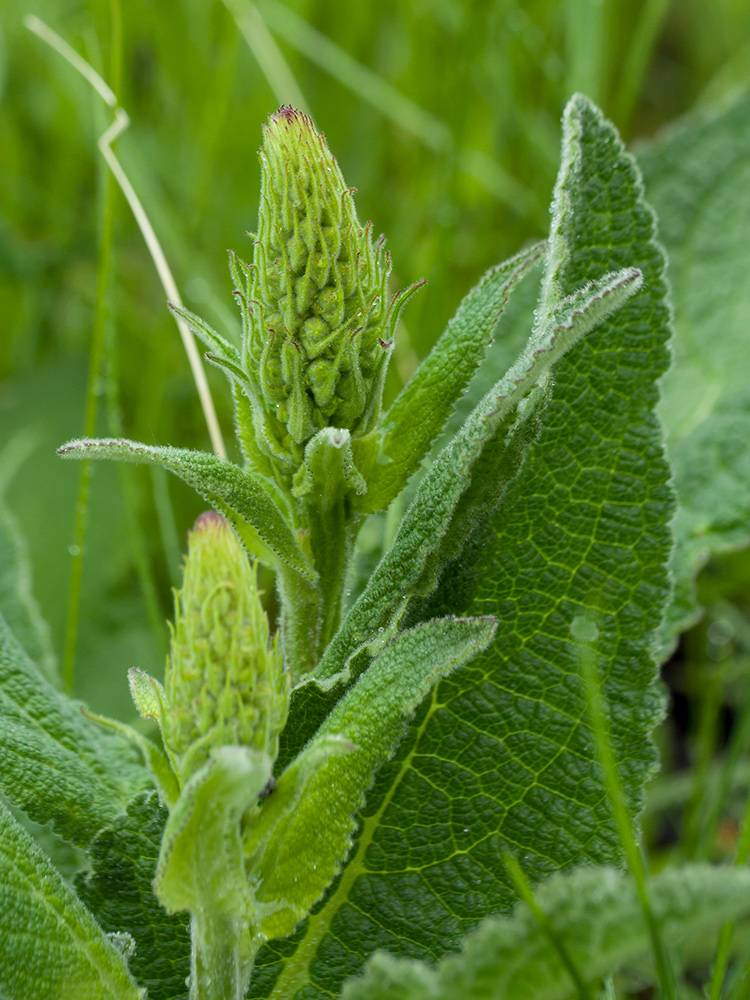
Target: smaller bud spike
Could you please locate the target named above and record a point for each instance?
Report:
(225, 683)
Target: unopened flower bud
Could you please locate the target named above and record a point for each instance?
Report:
(318, 319)
(225, 683)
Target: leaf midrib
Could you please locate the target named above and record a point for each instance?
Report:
(295, 973)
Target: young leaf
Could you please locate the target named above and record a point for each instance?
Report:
(697, 177)
(212, 340)
(201, 869)
(56, 765)
(419, 413)
(51, 945)
(597, 919)
(200, 865)
(504, 754)
(119, 892)
(294, 865)
(248, 500)
(434, 526)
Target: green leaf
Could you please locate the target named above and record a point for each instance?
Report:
(502, 752)
(118, 890)
(51, 945)
(56, 765)
(201, 868)
(420, 411)
(200, 864)
(597, 919)
(252, 503)
(435, 525)
(297, 854)
(328, 470)
(697, 176)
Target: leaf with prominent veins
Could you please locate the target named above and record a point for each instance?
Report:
(56, 765)
(502, 755)
(425, 528)
(118, 889)
(298, 852)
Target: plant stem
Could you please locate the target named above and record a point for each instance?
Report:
(311, 612)
(223, 956)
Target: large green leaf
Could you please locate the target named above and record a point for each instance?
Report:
(56, 765)
(470, 472)
(51, 947)
(297, 855)
(119, 892)
(698, 178)
(596, 918)
(501, 752)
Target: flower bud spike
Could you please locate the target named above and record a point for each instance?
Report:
(312, 350)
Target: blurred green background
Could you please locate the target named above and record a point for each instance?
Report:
(444, 114)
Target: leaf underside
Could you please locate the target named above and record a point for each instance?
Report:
(501, 752)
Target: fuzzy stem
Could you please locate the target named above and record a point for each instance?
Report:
(223, 956)
(311, 613)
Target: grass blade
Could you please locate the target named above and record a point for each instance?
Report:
(585, 632)
(120, 123)
(267, 53)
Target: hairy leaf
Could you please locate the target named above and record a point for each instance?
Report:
(251, 502)
(420, 411)
(200, 864)
(304, 854)
(502, 752)
(51, 945)
(597, 919)
(119, 892)
(435, 525)
(210, 338)
(697, 175)
(56, 765)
